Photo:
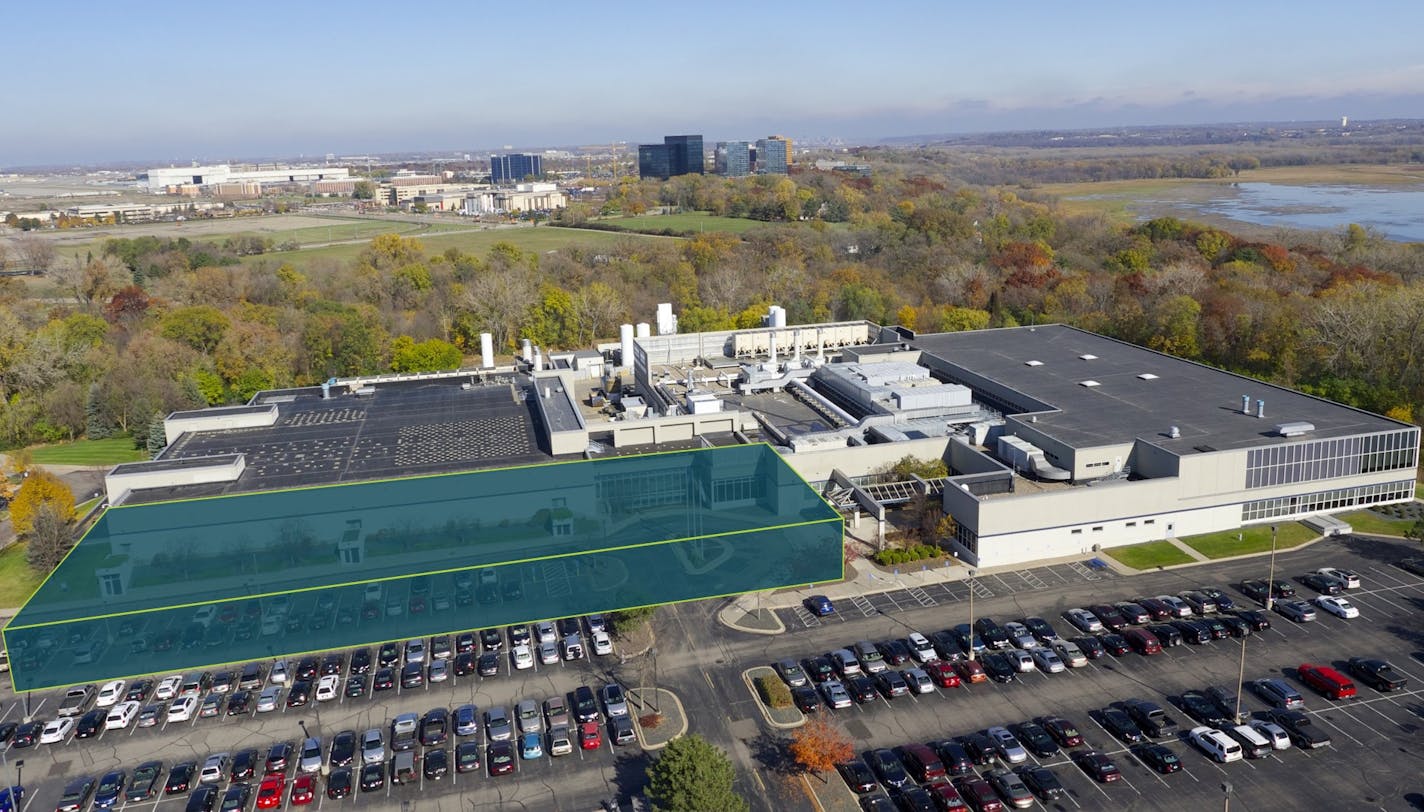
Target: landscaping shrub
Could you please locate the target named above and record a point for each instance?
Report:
(773, 692)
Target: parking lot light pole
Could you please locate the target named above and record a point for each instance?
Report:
(19, 774)
(1271, 579)
(1240, 679)
(971, 615)
(1226, 796)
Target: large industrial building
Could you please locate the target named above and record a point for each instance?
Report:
(1058, 442)
(169, 179)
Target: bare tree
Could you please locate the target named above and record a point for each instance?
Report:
(500, 298)
(49, 540)
(35, 252)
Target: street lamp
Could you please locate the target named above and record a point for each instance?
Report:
(1226, 789)
(19, 772)
(302, 723)
(971, 615)
(1271, 579)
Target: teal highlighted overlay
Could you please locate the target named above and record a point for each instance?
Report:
(179, 586)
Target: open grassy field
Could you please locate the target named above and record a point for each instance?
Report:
(538, 240)
(301, 229)
(1253, 539)
(690, 222)
(88, 452)
(1149, 555)
(17, 580)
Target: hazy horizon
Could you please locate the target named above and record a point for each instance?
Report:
(169, 83)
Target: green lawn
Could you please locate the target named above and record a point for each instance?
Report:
(1372, 523)
(83, 507)
(88, 452)
(538, 240)
(689, 222)
(1149, 555)
(17, 580)
(1253, 539)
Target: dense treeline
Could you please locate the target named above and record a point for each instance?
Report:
(1017, 167)
(153, 325)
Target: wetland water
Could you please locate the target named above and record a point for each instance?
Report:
(1395, 211)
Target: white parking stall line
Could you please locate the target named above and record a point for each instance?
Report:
(1005, 584)
(1386, 717)
(866, 607)
(922, 597)
(1320, 714)
(1382, 599)
(950, 592)
(1389, 575)
(1056, 574)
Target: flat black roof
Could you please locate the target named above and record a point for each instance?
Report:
(1202, 402)
(404, 429)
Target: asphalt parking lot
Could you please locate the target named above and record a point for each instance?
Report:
(1374, 762)
(1377, 754)
(580, 780)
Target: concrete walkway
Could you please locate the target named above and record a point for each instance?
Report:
(1190, 551)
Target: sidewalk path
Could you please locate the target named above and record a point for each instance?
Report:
(1195, 555)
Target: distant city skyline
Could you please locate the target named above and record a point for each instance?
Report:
(164, 82)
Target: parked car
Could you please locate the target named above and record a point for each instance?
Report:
(887, 767)
(1097, 765)
(1298, 726)
(1041, 781)
(1133, 612)
(1120, 726)
(1201, 603)
(1277, 693)
(1158, 757)
(1337, 606)
(1330, 683)
(1377, 674)
(1296, 610)
(1324, 584)
(1084, 620)
(1349, 578)
(820, 605)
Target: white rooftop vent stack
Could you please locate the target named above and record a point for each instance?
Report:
(796, 349)
(778, 316)
(486, 350)
(667, 322)
(625, 344)
(1246, 404)
(644, 331)
(772, 343)
(538, 360)
(820, 345)
(526, 349)
(1260, 408)
(1174, 432)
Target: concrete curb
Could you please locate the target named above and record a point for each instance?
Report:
(761, 706)
(723, 617)
(681, 712)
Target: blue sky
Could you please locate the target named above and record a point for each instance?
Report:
(161, 81)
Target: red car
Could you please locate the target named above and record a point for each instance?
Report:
(1329, 682)
(590, 737)
(970, 671)
(943, 674)
(1063, 731)
(303, 789)
(269, 793)
(1097, 765)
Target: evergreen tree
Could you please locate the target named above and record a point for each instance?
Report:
(95, 426)
(693, 775)
(157, 440)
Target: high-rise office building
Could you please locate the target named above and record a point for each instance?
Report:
(676, 155)
(733, 158)
(514, 167)
(771, 156)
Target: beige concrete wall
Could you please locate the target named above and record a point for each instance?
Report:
(817, 465)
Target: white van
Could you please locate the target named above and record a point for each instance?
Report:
(1221, 747)
(1253, 744)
